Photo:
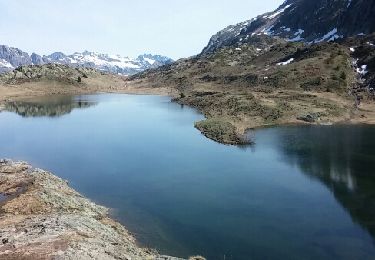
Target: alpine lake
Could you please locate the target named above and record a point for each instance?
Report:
(300, 192)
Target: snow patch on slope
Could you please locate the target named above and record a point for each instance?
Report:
(5, 64)
(362, 70)
(330, 36)
(285, 62)
(276, 13)
(298, 36)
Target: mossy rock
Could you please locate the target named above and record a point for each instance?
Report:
(221, 131)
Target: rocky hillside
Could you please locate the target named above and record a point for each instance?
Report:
(307, 61)
(54, 72)
(268, 81)
(11, 58)
(303, 20)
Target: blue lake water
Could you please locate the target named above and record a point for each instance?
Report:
(298, 193)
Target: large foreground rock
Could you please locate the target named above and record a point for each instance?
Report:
(43, 218)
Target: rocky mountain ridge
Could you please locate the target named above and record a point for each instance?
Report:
(302, 20)
(306, 62)
(271, 81)
(11, 58)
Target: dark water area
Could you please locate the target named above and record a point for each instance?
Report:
(2, 198)
(298, 193)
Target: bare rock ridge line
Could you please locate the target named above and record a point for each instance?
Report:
(302, 21)
(43, 218)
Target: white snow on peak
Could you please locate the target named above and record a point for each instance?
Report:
(352, 49)
(103, 60)
(6, 64)
(276, 13)
(285, 62)
(150, 61)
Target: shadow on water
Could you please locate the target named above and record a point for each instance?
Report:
(48, 106)
(343, 159)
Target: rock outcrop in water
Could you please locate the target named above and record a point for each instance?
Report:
(43, 218)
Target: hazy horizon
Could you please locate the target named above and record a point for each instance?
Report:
(126, 28)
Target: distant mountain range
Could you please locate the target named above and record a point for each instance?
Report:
(309, 21)
(11, 58)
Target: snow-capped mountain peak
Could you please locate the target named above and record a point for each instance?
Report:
(10, 58)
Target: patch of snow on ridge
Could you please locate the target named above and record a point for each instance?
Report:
(362, 70)
(330, 36)
(103, 60)
(276, 13)
(285, 62)
(4, 63)
(267, 31)
(297, 36)
(151, 61)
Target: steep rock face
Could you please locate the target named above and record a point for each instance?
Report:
(36, 59)
(153, 61)
(11, 58)
(303, 20)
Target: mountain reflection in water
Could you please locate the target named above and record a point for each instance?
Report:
(298, 193)
(48, 106)
(342, 158)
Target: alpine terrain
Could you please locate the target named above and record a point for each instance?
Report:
(305, 62)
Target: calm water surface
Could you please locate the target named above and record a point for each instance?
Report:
(299, 193)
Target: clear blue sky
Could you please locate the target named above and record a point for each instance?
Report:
(176, 28)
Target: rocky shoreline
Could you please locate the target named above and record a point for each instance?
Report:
(43, 218)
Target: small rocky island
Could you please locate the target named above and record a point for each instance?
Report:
(43, 218)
